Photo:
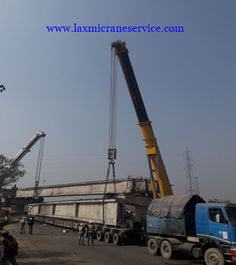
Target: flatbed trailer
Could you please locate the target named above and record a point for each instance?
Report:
(116, 220)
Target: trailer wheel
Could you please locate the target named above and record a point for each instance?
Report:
(152, 246)
(166, 249)
(99, 235)
(107, 237)
(116, 239)
(213, 256)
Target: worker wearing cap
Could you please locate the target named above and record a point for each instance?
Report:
(91, 231)
(22, 225)
(81, 234)
(31, 224)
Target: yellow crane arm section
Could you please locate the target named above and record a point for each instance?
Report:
(155, 161)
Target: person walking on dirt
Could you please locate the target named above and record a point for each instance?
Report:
(31, 224)
(22, 225)
(6, 220)
(91, 230)
(81, 234)
(10, 246)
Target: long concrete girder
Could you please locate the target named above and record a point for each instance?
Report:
(122, 186)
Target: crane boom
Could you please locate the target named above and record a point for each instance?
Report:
(25, 149)
(156, 164)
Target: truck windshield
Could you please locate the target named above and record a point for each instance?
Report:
(231, 212)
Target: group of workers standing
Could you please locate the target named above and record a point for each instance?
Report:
(11, 246)
(87, 231)
(29, 221)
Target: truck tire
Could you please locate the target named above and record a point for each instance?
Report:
(213, 256)
(152, 246)
(116, 239)
(107, 237)
(99, 235)
(166, 249)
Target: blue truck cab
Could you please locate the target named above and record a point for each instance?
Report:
(178, 221)
(216, 230)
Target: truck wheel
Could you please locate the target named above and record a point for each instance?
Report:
(166, 249)
(107, 237)
(99, 235)
(116, 239)
(152, 246)
(213, 256)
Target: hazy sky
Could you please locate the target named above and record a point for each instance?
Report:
(59, 83)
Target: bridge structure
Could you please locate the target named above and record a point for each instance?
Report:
(134, 186)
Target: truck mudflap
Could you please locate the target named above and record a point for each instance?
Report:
(231, 255)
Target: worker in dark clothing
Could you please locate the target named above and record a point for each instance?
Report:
(10, 248)
(91, 231)
(31, 224)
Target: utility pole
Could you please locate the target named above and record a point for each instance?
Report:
(197, 186)
(191, 181)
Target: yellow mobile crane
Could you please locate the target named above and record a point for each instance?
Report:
(155, 161)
